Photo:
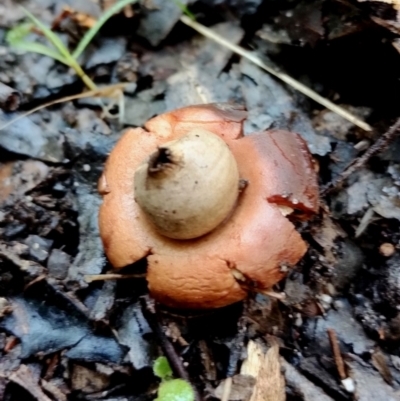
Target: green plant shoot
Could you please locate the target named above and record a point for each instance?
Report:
(56, 49)
(162, 369)
(171, 389)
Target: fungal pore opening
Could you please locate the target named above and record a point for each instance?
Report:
(161, 160)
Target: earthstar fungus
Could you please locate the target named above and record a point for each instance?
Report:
(217, 248)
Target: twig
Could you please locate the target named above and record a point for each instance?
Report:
(281, 75)
(111, 276)
(377, 147)
(336, 353)
(149, 312)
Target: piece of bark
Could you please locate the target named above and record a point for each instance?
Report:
(265, 366)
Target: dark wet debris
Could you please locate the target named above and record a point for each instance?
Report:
(9, 98)
(38, 247)
(46, 322)
(134, 332)
(244, 7)
(65, 338)
(370, 385)
(159, 17)
(272, 106)
(109, 51)
(90, 258)
(19, 177)
(26, 138)
(298, 385)
(348, 330)
(58, 264)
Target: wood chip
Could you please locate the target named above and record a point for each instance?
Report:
(265, 367)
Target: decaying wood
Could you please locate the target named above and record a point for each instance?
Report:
(265, 366)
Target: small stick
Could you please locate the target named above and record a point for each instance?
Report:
(209, 33)
(111, 276)
(336, 353)
(377, 147)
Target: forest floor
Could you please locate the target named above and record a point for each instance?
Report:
(336, 334)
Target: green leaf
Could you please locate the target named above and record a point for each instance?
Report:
(175, 390)
(50, 35)
(39, 48)
(16, 38)
(161, 368)
(18, 33)
(64, 55)
(89, 35)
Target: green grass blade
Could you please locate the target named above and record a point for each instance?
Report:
(19, 33)
(89, 35)
(50, 35)
(185, 10)
(39, 48)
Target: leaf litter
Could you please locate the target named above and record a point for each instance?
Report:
(71, 338)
